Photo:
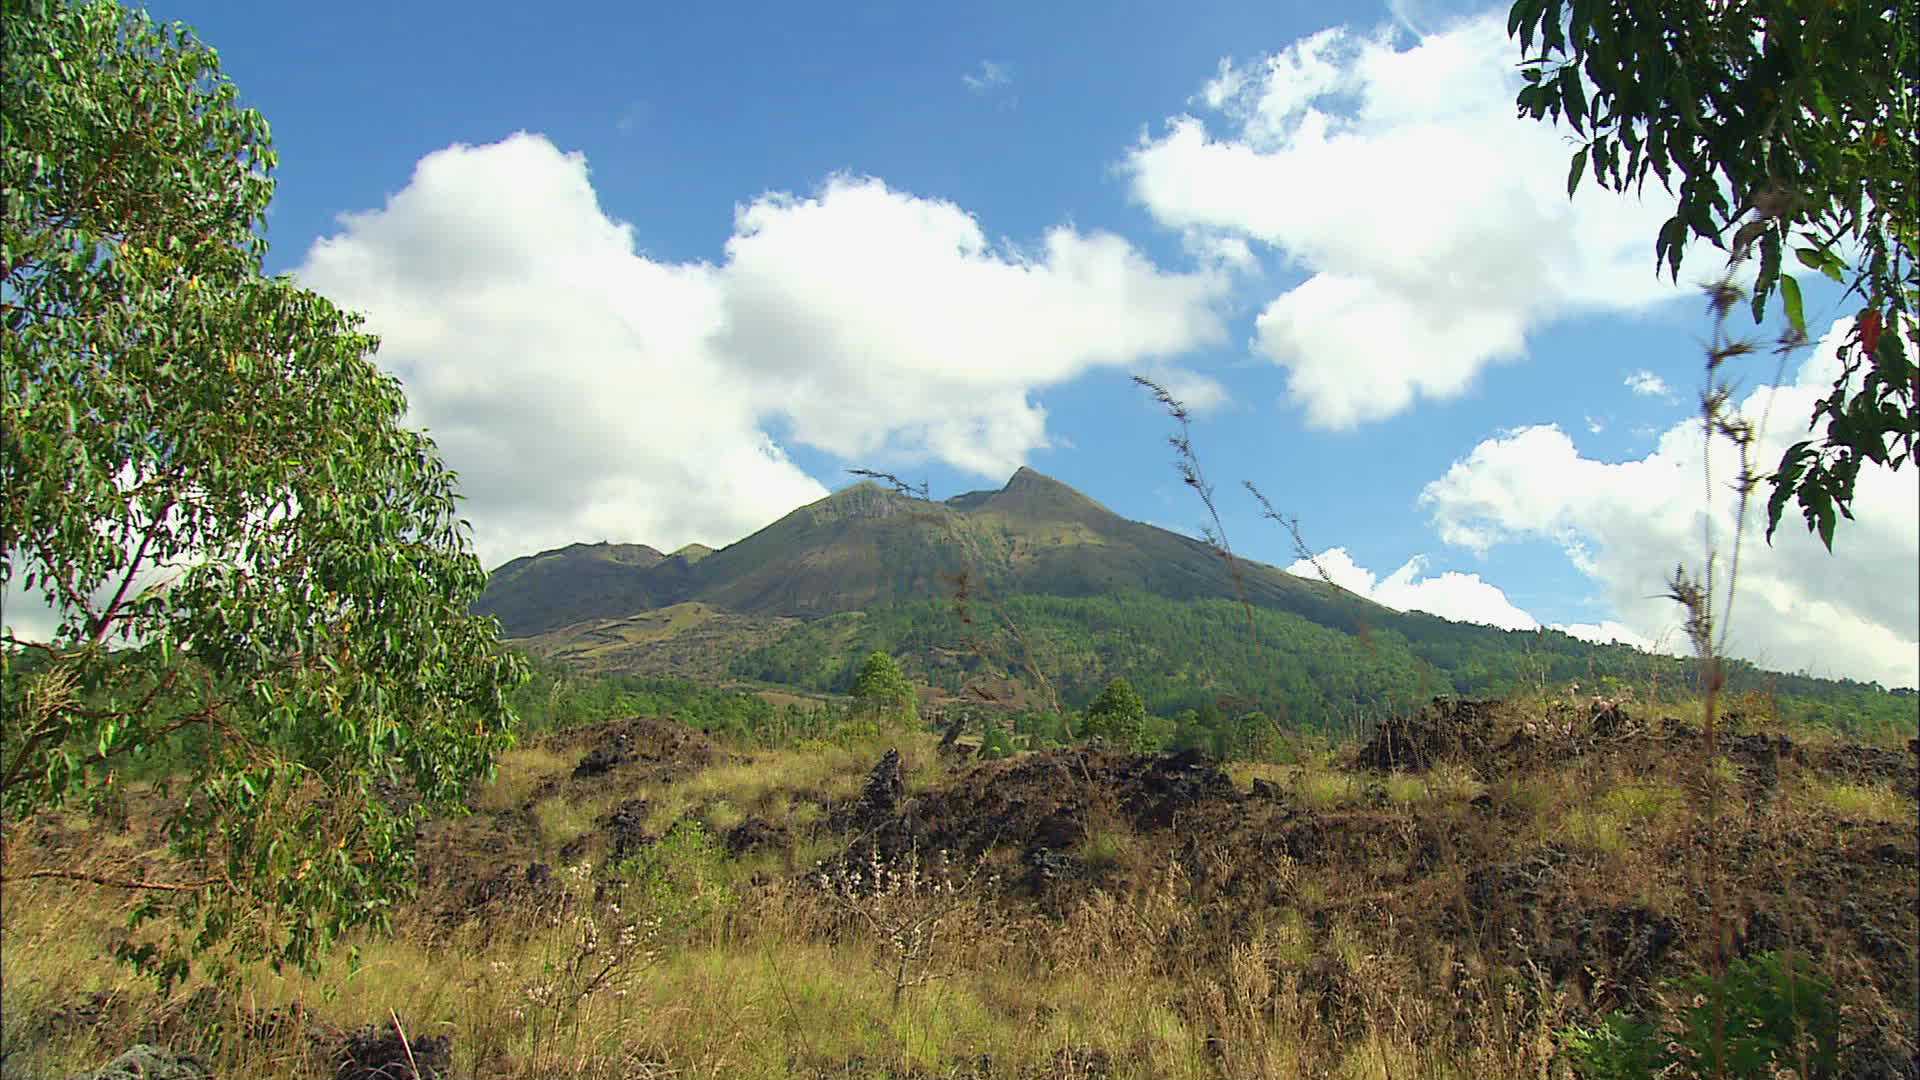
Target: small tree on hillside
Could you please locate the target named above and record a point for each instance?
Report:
(257, 577)
(881, 689)
(1118, 716)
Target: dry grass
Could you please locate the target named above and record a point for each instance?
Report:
(519, 771)
(1325, 789)
(1145, 975)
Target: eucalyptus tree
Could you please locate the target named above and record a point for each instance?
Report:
(255, 574)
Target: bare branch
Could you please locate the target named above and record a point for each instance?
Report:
(122, 883)
(1187, 464)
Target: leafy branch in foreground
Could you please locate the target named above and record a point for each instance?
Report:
(256, 571)
(1774, 124)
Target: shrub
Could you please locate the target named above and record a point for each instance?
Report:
(680, 881)
(995, 743)
(1765, 1013)
(882, 690)
(1775, 1012)
(1118, 716)
(1620, 1048)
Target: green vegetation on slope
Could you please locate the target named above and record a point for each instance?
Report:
(1182, 655)
(865, 546)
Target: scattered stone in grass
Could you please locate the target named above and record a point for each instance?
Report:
(376, 1052)
(757, 834)
(661, 750)
(1514, 886)
(1046, 866)
(84, 1013)
(885, 787)
(1630, 941)
(1446, 728)
(605, 757)
(626, 824)
(1062, 829)
(1761, 931)
(1609, 719)
(533, 885)
(1878, 1056)
(1088, 1062)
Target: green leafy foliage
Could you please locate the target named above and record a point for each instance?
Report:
(883, 690)
(1118, 716)
(258, 571)
(1618, 1048)
(1773, 124)
(995, 742)
(679, 882)
(1177, 654)
(1767, 1012)
(1197, 655)
(554, 699)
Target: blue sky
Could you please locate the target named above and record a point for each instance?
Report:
(659, 273)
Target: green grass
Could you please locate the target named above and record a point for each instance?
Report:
(561, 820)
(1642, 802)
(1324, 790)
(1108, 849)
(1860, 802)
(517, 773)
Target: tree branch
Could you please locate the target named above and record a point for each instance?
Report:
(120, 595)
(120, 883)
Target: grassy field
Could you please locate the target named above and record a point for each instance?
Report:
(701, 910)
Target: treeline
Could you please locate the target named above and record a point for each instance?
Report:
(1177, 655)
(1216, 659)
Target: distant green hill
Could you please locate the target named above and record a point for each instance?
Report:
(999, 594)
(1189, 654)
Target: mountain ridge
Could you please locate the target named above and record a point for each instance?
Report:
(867, 544)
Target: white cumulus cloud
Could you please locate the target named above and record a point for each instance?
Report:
(1647, 384)
(880, 323)
(1450, 595)
(1432, 224)
(585, 391)
(1854, 613)
(568, 379)
(1608, 632)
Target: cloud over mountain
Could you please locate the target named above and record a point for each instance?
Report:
(1450, 595)
(587, 391)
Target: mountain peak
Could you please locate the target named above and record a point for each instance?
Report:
(1028, 476)
(866, 546)
(1035, 494)
(691, 553)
